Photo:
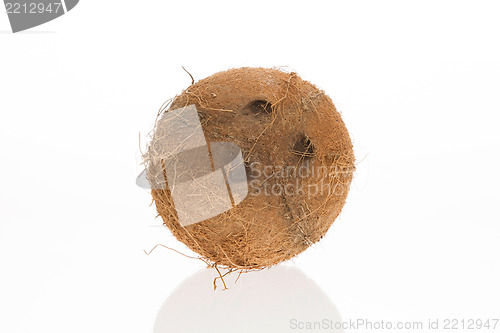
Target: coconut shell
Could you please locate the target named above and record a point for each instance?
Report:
(282, 124)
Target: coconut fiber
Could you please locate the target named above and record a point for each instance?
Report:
(298, 158)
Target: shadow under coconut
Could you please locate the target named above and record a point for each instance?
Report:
(280, 299)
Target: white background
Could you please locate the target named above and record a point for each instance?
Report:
(418, 86)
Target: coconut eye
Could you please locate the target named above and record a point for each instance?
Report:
(260, 106)
(303, 147)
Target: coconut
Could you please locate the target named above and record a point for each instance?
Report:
(298, 165)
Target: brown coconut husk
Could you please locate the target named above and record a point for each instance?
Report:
(278, 120)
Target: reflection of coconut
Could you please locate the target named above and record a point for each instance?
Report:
(273, 300)
(299, 162)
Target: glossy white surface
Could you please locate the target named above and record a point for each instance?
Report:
(417, 85)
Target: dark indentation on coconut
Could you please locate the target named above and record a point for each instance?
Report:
(259, 106)
(304, 148)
